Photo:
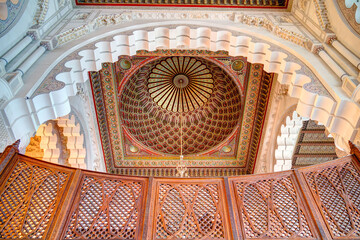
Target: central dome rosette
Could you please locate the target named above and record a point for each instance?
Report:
(198, 89)
(180, 84)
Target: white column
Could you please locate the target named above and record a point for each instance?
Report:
(14, 51)
(332, 64)
(346, 53)
(31, 60)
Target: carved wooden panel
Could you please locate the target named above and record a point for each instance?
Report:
(190, 209)
(107, 207)
(335, 187)
(270, 207)
(40, 200)
(29, 198)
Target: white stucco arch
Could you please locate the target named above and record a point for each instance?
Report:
(286, 142)
(339, 114)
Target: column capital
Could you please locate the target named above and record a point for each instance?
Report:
(318, 49)
(33, 34)
(49, 44)
(46, 45)
(330, 39)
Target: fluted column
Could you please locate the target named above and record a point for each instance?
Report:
(345, 52)
(24, 67)
(331, 63)
(14, 51)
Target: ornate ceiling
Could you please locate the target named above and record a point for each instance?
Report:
(188, 3)
(151, 104)
(170, 90)
(313, 146)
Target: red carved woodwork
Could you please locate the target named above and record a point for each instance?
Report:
(190, 209)
(271, 206)
(41, 200)
(107, 208)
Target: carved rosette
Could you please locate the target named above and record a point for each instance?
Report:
(180, 84)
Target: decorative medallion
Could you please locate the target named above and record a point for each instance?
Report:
(133, 149)
(125, 64)
(237, 65)
(180, 84)
(350, 10)
(226, 149)
(11, 12)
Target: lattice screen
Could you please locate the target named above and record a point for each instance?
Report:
(29, 198)
(40, 200)
(271, 207)
(107, 208)
(336, 189)
(190, 211)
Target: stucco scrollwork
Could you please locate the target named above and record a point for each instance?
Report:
(10, 10)
(350, 3)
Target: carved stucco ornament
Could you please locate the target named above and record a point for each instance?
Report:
(350, 3)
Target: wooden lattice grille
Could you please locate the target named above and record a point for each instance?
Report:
(107, 208)
(336, 190)
(29, 197)
(40, 200)
(271, 207)
(189, 210)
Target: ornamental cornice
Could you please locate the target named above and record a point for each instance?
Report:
(321, 14)
(41, 11)
(268, 25)
(247, 19)
(350, 9)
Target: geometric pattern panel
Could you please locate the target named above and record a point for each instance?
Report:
(140, 128)
(313, 145)
(180, 84)
(271, 208)
(187, 3)
(29, 199)
(154, 105)
(336, 190)
(190, 210)
(40, 200)
(107, 208)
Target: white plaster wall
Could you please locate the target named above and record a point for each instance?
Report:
(342, 29)
(52, 8)
(20, 28)
(341, 117)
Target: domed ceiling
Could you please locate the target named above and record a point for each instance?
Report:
(155, 106)
(173, 93)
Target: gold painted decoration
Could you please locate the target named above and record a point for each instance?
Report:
(180, 84)
(237, 65)
(226, 149)
(128, 115)
(154, 121)
(125, 64)
(133, 149)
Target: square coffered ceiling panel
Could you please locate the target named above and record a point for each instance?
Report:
(151, 104)
(282, 4)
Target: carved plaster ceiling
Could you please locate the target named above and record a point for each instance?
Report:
(188, 3)
(351, 11)
(144, 101)
(172, 89)
(10, 13)
(313, 146)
